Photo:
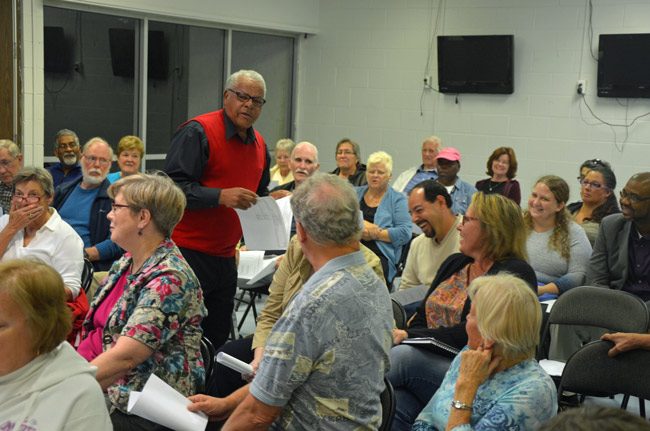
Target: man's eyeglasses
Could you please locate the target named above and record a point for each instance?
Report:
(593, 185)
(467, 219)
(633, 197)
(30, 198)
(115, 206)
(102, 161)
(244, 97)
(6, 163)
(342, 152)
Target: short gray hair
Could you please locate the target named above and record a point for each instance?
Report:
(93, 141)
(308, 145)
(155, 192)
(12, 148)
(40, 175)
(65, 132)
(327, 208)
(250, 74)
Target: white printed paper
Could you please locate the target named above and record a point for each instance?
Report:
(266, 225)
(162, 404)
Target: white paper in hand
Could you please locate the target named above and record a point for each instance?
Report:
(162, 404)
(234, 363)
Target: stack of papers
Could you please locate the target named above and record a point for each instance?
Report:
(253, 267)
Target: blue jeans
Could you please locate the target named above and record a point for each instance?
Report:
(415, 374)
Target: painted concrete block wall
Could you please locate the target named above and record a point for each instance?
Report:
(361, 77)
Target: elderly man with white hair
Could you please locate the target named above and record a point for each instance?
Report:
(303, 163)
(84, 204)
(426, 171)
(11, 161)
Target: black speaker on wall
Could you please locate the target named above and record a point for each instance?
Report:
(57, 52)
(122, 46)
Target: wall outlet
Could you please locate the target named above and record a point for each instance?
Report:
(582, 87)
(427, 81)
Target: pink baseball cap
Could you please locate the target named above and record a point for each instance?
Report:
(449, 153)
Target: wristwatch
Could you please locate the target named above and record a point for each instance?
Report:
(461, 405)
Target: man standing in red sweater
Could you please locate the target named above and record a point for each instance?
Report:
(221, 163)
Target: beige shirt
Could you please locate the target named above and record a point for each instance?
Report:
(293, 272)
(426, 255)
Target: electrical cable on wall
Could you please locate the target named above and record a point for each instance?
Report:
(626, 125)
(434, 33)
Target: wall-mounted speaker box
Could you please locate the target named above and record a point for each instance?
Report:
(122, 46)
(56, 50)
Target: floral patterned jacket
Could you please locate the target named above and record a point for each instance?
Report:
(162, 307)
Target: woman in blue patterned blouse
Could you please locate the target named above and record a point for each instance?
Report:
(146, 316)
(495, 384)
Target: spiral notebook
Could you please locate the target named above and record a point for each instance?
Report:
(433, 344)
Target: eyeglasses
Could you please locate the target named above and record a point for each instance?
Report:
(633, 197)
(6, 163)
(342, 152)
(244, 97)
(92, 160)
(593, 185)
(30, 198)
(115, 206)
(467, 219)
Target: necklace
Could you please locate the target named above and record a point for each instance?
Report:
(493, 185)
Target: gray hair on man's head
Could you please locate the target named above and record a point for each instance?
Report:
(250, 74)
(95, 140)
(308, 145)
(327, 208)
(65, 132)
(12, 148)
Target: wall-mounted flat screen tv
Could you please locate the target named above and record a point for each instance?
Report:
(624, 65)
(476, 64)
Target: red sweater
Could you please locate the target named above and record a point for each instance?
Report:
(232, 163)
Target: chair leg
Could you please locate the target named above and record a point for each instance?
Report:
(626, 399)
(250, 305)
(642, 407)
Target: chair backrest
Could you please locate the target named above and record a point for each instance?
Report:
(87, 275)
(590, 371)
(208, 353)
(399, 314)
(605, 308)
(387, 406)
(600, 307)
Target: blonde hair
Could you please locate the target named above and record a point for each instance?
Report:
(38, 291)
(130, 142)
(559, 240)
(508, 313)
(381, 157)
(503, 226)
(156, 193)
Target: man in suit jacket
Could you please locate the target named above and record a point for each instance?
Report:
(621, 256)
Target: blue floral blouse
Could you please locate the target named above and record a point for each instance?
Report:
(518, 399)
